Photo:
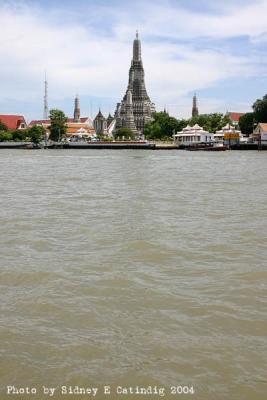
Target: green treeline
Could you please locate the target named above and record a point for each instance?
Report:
(34, 134)
(163, 126)
(37, 133)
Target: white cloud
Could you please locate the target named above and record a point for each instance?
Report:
(176, 22)
(79, 59)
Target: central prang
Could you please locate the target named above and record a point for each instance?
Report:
(136, 108)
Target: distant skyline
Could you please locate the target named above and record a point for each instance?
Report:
(216, 49)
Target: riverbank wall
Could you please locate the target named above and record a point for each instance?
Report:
(118, 146)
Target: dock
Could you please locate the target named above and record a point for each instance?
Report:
(108, 145)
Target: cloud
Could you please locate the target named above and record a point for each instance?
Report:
(80, 56)
(229, 20)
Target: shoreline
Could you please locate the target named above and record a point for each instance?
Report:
(116, 146)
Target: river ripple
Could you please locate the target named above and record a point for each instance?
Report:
(134, 268)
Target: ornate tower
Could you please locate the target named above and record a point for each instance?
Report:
(194, 108)
(100, 124)
(45, 115)
(142, 107)
(109, 119)
(77, 109)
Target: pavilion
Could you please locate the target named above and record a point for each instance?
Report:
(193, 134)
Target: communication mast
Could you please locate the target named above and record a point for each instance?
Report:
(45, 99)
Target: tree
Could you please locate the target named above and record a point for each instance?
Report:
(260, 109)
(163, 126)
(152, 130)
(124, 133)
(58, 126)
(103, 138)
(5, 136)
(181, 124)
(210, 122)
(3, 126)
(36, 133)
(19, 134)
(246, 123)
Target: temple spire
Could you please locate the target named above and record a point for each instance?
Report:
(194, 108)
(77, 109)
(136, 108)
(137, 48)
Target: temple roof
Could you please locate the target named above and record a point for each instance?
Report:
(110, 118)
(100, 115)
(83, 120)
(197, 127)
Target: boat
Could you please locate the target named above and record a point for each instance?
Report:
(209, 146)
(216, 147)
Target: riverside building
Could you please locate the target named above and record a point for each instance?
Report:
(260, 133)
(13, 122)
(76, 127)
(136, 108)
(193, 135)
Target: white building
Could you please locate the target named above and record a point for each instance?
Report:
(193, 135)
(260, 132)
(228, 133)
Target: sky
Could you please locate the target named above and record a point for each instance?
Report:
(216, 49)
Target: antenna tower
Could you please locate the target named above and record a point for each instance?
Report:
(45, 99)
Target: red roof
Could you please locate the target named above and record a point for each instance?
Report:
(12, 121)
(47, 121)
(235, 116)
(40, 122)
(82, 119)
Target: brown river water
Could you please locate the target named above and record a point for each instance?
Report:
(133, 275)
